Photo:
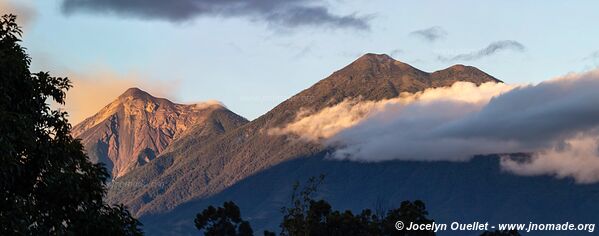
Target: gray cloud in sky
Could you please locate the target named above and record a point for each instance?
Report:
(430, 34)
(593, 56)
(490, 50)
(286, 14)
(396, 52)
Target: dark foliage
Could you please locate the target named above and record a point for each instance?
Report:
(269, 233)
(223, 221)
(408, 212)
(316, 217)
(47, 184)
(307, 216)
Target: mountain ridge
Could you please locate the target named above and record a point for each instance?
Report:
(198, 171)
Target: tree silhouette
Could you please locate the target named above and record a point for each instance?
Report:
(408, 212)
(47, 184)
(307, 216)
(295, 221)
(223, 221)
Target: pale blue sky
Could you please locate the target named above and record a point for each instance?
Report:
(251, 65)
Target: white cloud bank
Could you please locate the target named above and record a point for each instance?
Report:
(557, 120)
(577, 157)
(330, 121)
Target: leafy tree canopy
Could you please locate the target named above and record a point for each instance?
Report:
(48, 186)
(223, 221)
(307, 216)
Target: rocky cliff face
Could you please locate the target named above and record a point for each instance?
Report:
(136, 127)
(186, 172)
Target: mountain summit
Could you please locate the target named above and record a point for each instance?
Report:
(136, 127)
(375, 77)
(136, 93)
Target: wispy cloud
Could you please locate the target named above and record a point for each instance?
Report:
(431, 34)
(395, 52)
(286, 14)
(492, 49)
(594, 56)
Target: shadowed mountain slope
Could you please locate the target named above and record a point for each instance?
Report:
(466, 192)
